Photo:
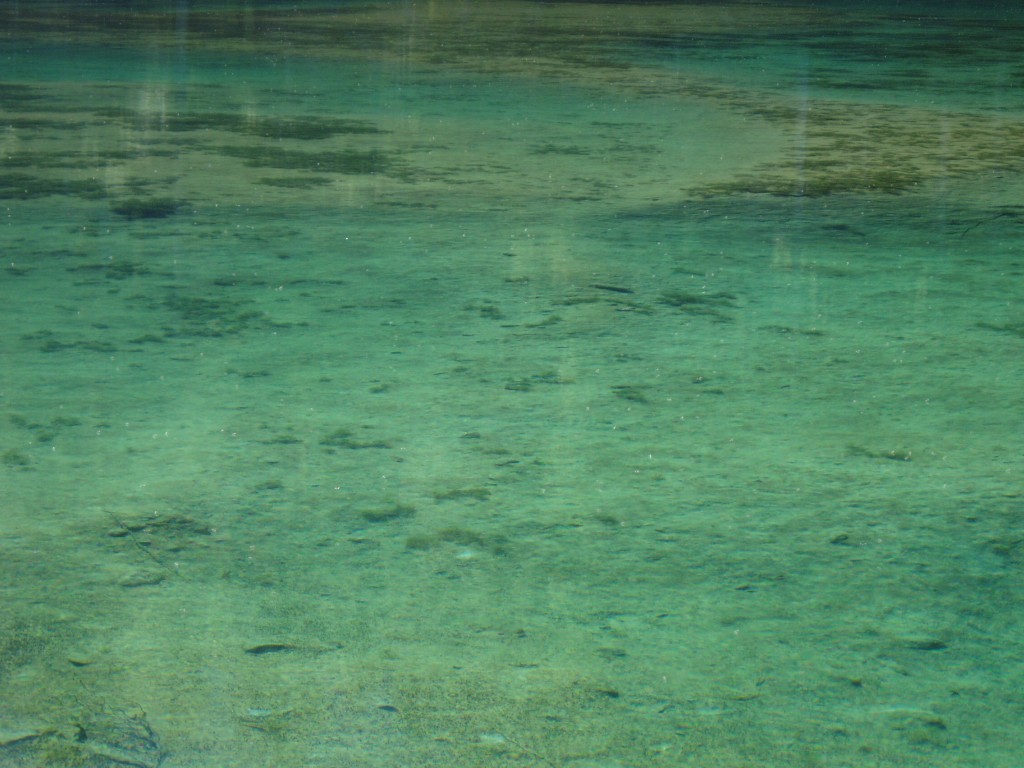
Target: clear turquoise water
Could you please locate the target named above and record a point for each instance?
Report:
(511, 384)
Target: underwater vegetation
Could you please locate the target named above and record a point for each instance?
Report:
(527, 383)
(199, 316)
(23, 186)
(18, 94)
(354, 162)
(632, 392)
(345, 438)
(496, 544)
(887, 181)
(300, 127)
(112, 270)
(14, 458)
(1014, 329)
(147, 207)
(65, 160)
(710, 304)
(387, 514)
(894, 454)
(461, 494)
(294, 182)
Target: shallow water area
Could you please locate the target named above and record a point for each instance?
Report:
(511, 384)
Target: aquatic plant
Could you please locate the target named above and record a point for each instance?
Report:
(23, 186)
(353, 162)
(294, 182)
(147, 207)
(300, 127)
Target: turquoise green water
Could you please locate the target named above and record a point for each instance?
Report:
(511, 384)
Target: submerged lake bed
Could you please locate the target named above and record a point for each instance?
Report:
(510, 384)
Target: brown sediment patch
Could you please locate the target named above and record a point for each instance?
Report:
(773, 141)
(837, 147)
(813, 146)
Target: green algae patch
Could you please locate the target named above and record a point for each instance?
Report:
(348, 162)
(23, 186)
(300, 127)
(388, 514)
(147, 207)
(294, 182)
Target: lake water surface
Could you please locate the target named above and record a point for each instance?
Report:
(511, 383)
